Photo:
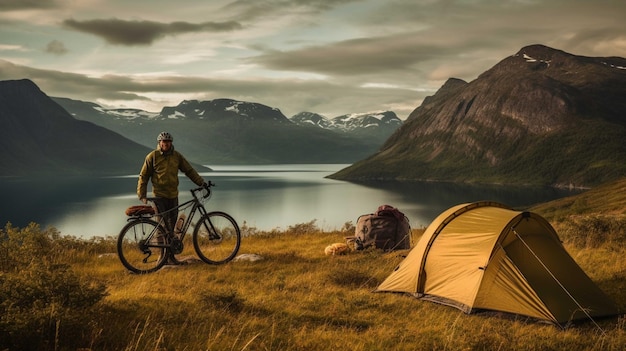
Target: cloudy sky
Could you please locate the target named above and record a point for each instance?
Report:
(332, 57)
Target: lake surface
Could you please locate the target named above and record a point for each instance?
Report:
(266, 197)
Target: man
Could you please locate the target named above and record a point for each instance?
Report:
(162, 166)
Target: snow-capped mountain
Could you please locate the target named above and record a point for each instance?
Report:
(221, 109)
(386, 120)
(311, 119)
(127, 113)
(350, 122)
(378, 125)
(231, 131)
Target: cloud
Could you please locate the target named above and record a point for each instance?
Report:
(5, 47)
(304, 95)
(325, 56)
(121, 32)
(362, 56)
(69, 85)
(9, 5)
(599, 41)
(254, 9)
(56, 47)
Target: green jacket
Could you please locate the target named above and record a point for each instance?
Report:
(163, 168)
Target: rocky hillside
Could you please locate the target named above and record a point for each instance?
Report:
(40, 138)
(541, 116)
(226, 131)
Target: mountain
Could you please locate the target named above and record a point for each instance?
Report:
(375, 125)
(311, 119)
(41, 138)
(226, 131)
(539, 117)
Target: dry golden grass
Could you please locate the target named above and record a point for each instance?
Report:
(297, 298)
(608, 199)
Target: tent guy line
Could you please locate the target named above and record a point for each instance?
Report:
(581, 308)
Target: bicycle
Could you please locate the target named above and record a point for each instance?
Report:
(144, 245)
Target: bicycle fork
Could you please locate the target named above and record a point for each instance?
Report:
(212, 233)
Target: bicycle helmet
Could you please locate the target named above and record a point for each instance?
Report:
(165, 136)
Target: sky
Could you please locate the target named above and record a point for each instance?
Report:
(331, 57)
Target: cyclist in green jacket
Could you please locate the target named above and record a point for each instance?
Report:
(162, 166)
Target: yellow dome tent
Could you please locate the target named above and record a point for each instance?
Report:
(486, 256)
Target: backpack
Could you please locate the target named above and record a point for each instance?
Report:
(386, 229)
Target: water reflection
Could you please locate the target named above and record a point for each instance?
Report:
(437, 194)
(266, 197)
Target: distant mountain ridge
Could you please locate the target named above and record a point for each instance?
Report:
(230, 131)
(541, 116)
(377, 125)
(222, 109)
(349, 122)
(40, 138)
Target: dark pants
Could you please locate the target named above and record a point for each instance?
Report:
(167, 209)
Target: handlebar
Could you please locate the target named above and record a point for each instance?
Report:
(205, 187)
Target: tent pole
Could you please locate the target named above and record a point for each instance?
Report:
(558, 282)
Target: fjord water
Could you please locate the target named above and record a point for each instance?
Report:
(266, 197)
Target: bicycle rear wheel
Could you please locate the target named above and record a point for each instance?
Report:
(216, 238)
(141, 246)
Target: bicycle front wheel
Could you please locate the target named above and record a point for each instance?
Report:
(141, 246)
(216, 238)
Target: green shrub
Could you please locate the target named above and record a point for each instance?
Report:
(303, 228)
(43, 303)
(593, 231)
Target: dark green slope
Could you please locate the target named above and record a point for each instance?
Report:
(540, 117)
(40, 138)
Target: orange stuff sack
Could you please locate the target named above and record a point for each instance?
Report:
(140, 210)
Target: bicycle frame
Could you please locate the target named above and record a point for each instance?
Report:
(197, 206)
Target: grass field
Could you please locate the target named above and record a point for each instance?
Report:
(62, 293)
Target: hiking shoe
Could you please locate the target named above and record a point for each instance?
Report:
(172, 261)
